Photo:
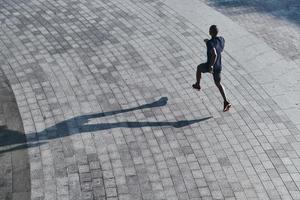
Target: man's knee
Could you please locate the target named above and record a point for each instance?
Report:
(201, 67)
(217, 82)
(217, 78)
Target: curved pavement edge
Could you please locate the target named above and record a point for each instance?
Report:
(14, 167)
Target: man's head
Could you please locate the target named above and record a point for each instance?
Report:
(213, 30)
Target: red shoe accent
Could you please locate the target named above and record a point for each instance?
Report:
(227, 106)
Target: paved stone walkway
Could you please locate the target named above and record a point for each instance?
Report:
(14, 162)
(104, 92)
(276, 22)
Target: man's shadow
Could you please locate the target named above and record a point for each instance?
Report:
(79, 124)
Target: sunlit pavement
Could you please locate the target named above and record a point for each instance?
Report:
(104, 92)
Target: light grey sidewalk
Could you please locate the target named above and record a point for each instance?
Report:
(14, 163)
(278, 24)
(104, 92)
(275, 72)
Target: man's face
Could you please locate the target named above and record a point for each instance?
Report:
(210, 32)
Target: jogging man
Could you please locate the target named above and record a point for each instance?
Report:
(213, 65)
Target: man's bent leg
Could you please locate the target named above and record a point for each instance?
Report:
(222, 91)
(198, 74)
(200, 68)
(217, 79)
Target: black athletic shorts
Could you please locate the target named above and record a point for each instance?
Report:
(204, 68)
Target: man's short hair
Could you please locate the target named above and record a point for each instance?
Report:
(214, 30)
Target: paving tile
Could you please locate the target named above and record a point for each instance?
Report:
(104, 93)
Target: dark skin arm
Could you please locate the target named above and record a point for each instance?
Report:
(213, 59)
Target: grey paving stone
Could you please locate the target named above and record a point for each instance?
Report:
(14, 167)
(88, 76)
